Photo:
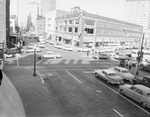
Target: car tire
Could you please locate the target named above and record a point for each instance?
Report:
(143, 104)
(96, 75)
(121, 92)
(108, 81)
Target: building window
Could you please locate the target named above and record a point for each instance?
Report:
(70, 29)
(90, 22)
(76, 30)
(70, 21)
(77, 21)
(89, 31)
(65, 28)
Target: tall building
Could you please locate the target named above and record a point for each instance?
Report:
(34, 13)
(50, 22)
(138, 12)
(47, 6)
(2, 21)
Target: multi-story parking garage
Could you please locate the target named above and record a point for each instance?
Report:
(84, 27)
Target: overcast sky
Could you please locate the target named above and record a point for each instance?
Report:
(108, 8)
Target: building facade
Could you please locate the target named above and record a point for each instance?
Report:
(50, 22)
(138, 12)
(47, 6)
(2, 21)
(40, 26)
(86, 28)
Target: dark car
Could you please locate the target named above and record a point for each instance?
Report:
(145, 67)
(142, 80)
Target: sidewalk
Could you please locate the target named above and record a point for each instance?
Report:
(37, 100)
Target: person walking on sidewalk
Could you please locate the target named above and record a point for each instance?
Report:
(130, 64)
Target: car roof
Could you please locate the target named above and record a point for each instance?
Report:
(121, 68)
(109, 71)
(143, 88)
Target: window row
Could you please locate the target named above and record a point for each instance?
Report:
(117, 26)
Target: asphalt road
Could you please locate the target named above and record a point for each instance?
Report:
(75, 89)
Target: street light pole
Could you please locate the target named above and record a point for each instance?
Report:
(139, 55)
(34, 74)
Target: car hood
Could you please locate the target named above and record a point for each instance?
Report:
(115, 77)
(128, 75)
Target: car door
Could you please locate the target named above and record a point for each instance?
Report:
(130, 92)
(138, 95)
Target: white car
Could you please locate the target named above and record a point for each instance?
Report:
(28, 50)
(139, 93)
(31, 45)
(123, 72)
(67, 47)
(58, 46)
(50, 42)
(84, 49)
(51, 55)
(41, 45)
(8, 55)
(109, 75)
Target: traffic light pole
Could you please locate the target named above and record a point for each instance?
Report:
(140, 55)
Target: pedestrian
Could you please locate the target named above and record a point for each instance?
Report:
(129, 64)
(126, 62)
(87, 53)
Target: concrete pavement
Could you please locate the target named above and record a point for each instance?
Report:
(37, 100)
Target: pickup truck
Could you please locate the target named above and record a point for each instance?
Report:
(142, 80)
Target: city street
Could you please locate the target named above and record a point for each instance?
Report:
(76, 91)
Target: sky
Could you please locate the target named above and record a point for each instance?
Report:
(107, 8)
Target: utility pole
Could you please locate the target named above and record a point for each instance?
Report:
(140, 55)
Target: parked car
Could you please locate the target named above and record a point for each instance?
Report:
(84, 49)
(145, 67)
(50, 55)
(120, 56)
(123, 72)
(142, 80)
(109, 75)
(67, 47)
(9, 55)
(41, 45)
(58, 46)
(28, 50)
(31, 45)
(139, 93)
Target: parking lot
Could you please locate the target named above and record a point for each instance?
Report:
(76, 90)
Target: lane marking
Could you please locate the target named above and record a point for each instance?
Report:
(39, 61)
(73, 77)
(123, 97)
(118, 113)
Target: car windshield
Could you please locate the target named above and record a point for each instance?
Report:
(125, 71)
